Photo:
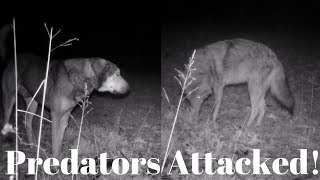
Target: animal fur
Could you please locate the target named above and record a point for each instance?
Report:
(65, 85)
(238, 61)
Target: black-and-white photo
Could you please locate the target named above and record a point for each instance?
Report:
(88, 78)
(238, 76)
(234, 94)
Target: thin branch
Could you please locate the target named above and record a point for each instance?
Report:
(44, 98)
(74, 120)
(83, 107)
(167, 97)
(67, 43)
(35, 94)
(56, 33)
(178, 81)
(190, 93)
(88, 112)
(27, 112)
(45, 25)
(16, 92)
(187, 76)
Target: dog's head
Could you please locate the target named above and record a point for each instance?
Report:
(108, 77)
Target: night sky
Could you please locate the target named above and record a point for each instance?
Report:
(302, 15)
(125, 33)
(128, 32)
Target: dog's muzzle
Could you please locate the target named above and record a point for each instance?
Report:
(115, 84)
(123, 89)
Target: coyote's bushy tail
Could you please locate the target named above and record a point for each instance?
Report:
(4, 48)
(280, 89)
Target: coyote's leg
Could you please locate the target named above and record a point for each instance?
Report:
(196, 99)
(256, 94)
(218, 93)
(262, 110)
(195, 108)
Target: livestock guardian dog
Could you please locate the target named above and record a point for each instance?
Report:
(65, 85)
(238, 61)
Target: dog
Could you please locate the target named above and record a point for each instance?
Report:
(66, 84)
(238, 61)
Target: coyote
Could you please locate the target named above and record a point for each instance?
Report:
(238, 61)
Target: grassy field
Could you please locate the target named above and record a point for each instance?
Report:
(278, 136)
(126, 126)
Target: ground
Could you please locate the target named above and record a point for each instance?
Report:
(126, 126)
(279, 135)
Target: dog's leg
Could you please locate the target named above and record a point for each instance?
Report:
(8, 103)
(59, 124)
(29, 117)
(218, 92)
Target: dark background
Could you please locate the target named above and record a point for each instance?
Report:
(291, 16)
(126, 33)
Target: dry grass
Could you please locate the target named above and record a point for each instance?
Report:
(279, 135)
(96, 133)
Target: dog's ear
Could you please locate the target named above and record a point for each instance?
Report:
(99, 66)
(101, 69)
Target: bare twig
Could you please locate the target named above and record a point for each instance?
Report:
(167, 97)
(45, 25)
(56, 33)
(184, 83)
(67, 43)
(168, 100)
(27, 112)
(74, 120)
(16, 92)
(35, 94)
(83, 104)
(44, 97)
(190, 93)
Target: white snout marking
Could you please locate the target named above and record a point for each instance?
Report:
(113, 83)
(6, 129)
